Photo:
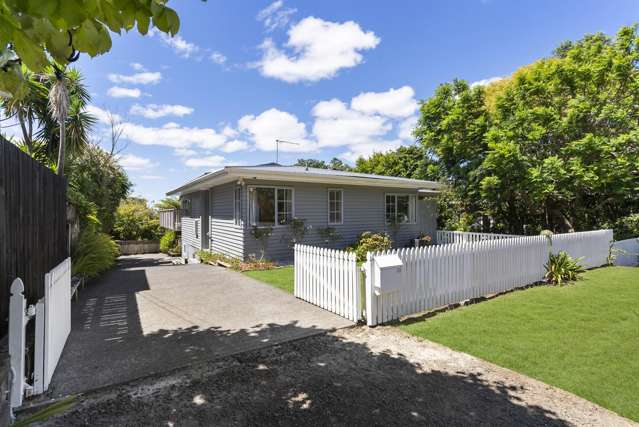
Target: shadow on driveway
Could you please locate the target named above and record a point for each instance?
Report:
(147, 316)
(322, 380)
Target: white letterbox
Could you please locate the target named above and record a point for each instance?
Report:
(387, 273)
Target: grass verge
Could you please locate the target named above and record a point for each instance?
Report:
(583, 337)
(282, 278)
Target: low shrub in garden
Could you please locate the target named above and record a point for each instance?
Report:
(134, 220)
(370, 242)
(562, 268)
(169, 242)
(94, 253)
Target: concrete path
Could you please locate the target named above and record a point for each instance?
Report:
(148, 316)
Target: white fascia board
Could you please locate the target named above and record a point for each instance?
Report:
(339, 180)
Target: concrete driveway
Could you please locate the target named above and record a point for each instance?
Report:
(148, 316)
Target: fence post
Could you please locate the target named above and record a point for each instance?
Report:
(371, 302)
(17, 337)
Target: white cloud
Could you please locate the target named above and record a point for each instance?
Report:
(235, 145)
(218, 58)
(317, 49)
(275, 15)
(102, 115)
(143, 78)
(214, 162)
(137, 66)
(274, 124)
(392, 103)
(406, 128)
(173, 135)
(179, 45)
(151, 177)
(337, 125)
(184, 152)
(229, 132)
(133, 162)
(123, 92)
(486, 82)
(155, 111)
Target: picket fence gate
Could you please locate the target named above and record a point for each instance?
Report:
(52, 315)
(329, 279)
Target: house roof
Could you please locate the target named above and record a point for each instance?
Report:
(276, 172)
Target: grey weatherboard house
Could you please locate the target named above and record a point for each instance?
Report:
(219, 209)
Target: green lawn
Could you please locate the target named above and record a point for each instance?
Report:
(279, 277)
(583, 337)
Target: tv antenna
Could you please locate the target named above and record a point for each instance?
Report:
(277, 148)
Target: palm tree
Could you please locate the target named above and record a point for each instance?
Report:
(59, 107)
(40, 128)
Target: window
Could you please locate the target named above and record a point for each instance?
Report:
(400, 208)
(186, 207)
(196, 225)
(284, 205)
(270, 206)
(237, 210)
(335, 206)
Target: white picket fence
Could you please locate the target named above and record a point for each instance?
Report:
(329, 279)
(444, 236)
(435, 276)
(53, 325)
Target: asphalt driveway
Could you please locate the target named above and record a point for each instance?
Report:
(147, 316)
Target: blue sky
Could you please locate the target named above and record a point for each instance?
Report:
(341, 78)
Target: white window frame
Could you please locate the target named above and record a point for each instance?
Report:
(412, 197)
(237, 205)
(275, 188)
(328, 205)
(196, 228)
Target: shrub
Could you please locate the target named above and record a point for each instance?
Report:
(626, 227)
(94, 253)
(169, 242)
(134, 220)
(370, 242)
(329, 235)
(562, 268)
(262, 234)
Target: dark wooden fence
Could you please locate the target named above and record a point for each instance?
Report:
(33, 224)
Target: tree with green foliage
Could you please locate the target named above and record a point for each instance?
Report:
(168, 203)
(407, 161)
(135, 220)
(40, 130)
(334, 164)
(555, 146)
(41, 33)
(97, 185)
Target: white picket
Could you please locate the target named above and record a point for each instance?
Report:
(329, 279)
(474, 266)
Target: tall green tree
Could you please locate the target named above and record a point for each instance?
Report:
(97, 185)
(334, 164)
(39, 128)
(554, 146)
(408, 161)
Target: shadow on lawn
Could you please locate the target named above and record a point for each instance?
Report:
(318, 380)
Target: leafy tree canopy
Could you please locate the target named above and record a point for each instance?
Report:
(554, 146)
(135, 220)
(407, 162)
(168, 203)
(334, 164)
(39, 33)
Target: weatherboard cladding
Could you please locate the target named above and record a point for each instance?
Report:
(363, 210)
(226, 237)
(189, 239)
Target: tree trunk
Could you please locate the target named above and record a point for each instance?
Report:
(61, 152)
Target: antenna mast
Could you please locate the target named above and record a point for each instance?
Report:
(277, 148)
